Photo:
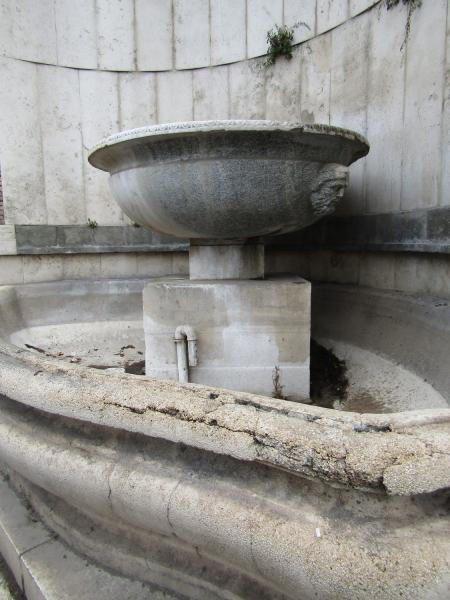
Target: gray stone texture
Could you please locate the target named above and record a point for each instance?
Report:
(366, 48)
(209, 493)
(240, 179)
(229, 261)
(252, 336)
(410, 231)
(60, 239)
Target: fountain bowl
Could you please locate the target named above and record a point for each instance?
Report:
(239, 179)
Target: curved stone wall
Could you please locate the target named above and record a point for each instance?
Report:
(354, 76)
(158, 35)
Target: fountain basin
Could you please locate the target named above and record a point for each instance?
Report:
(228, 179)
(212, 494)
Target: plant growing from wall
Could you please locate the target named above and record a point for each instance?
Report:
(411, 6)
(92, 224)
(279, 43)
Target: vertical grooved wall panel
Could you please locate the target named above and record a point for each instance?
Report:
(385, 111)
(262, 15)
(348, 101)
(301, 16)
(425, 60)
(192, 35)
(99, 118)
(21, 155)
(154, 35)
(228, 31)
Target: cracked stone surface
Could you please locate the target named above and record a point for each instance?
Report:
(210, 493)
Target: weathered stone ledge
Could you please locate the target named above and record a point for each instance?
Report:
(421, 230)
(342, 448)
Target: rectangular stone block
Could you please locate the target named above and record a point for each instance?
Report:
(315, 65)
(11, 270)
(42, 268)
(154, 35)
(6, 39)
(385, 127)
(438, 225)
(226, 261)
(60, 121)
(7, 240)
(115, 35)
(423, 107)
(32, 237)
(154, 264)
(262, 16)
(335, 267)
(348, 103)
(118, 265)
(445, 169)
(18, 533)
(76, 33)
(330, 14)
(30, 30)
(247, 91)
(301, 16)
(76, 237)
(180, 263)
(211, 94)
(250, 336)
(99, 118)
(412, 273)
(176, 86)
(283, 89)
(401, 228)
(228, 31)
(137, 94)
(81, 579)
(377, 271)
(20, 132)
(439, 284)
(77, 266)
(284, 260)
(191, 29)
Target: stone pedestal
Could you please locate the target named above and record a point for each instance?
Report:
(223, 260)
(251, 335)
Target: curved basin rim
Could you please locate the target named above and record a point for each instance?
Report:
(179, 129)
(149, 407)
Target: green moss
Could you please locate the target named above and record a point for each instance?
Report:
(279, 43)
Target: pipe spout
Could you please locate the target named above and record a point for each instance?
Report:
(186, 344)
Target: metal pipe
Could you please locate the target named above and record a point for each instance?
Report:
(186, 344)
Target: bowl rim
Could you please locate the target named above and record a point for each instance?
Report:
(185, 128)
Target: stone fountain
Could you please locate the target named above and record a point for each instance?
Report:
(225, 185)
(174, 491)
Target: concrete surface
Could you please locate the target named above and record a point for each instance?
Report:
(292, 90)
(226, 261)
(99, 323)
(240, 179)
(153, 36)
(46, 569)
(252, 336)
(409, 272)
(27, 269)
(208, 493)
(390, 325)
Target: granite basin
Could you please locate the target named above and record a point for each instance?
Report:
(218, 180)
